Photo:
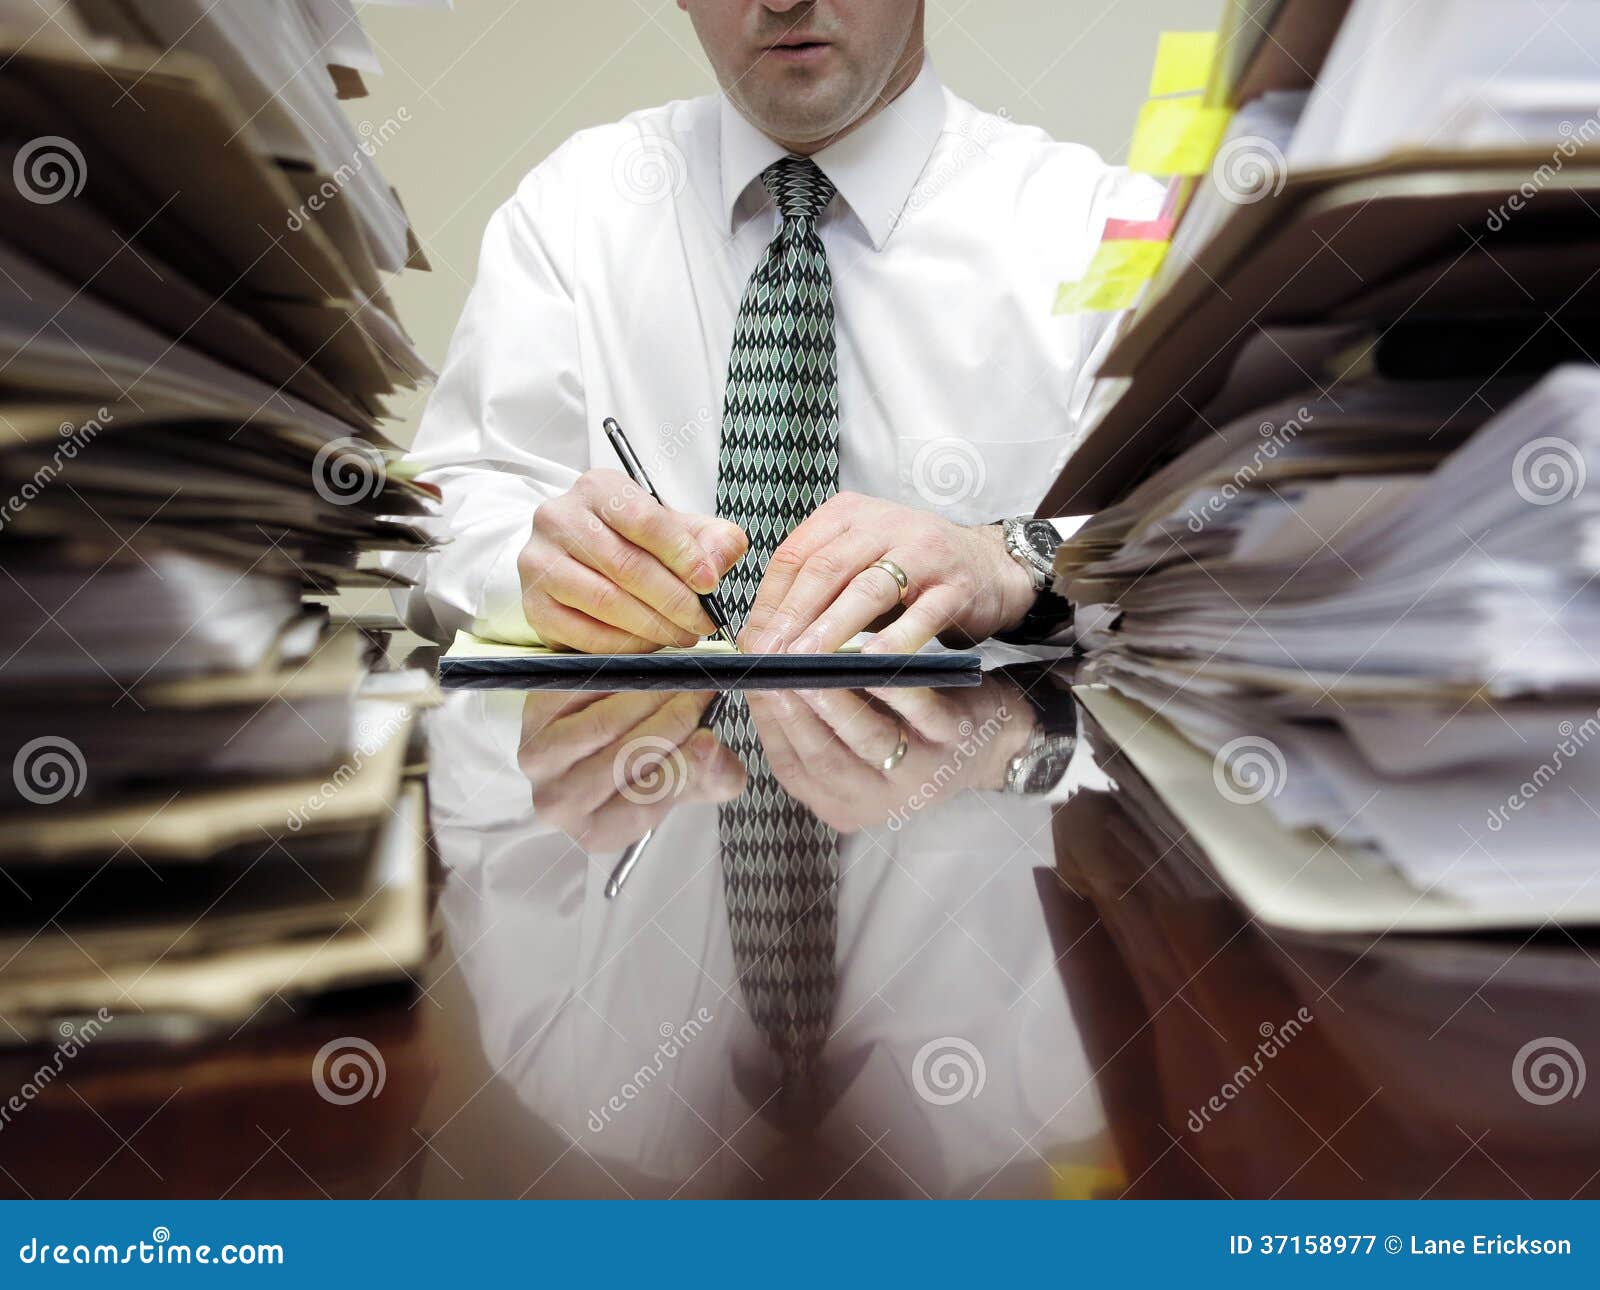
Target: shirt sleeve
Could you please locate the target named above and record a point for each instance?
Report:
(504, 429)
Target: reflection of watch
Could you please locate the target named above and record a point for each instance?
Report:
(1039, 767)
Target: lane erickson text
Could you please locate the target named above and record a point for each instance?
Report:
(1367, 1243)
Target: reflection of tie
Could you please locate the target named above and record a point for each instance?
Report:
(779, 457)
(780, 867)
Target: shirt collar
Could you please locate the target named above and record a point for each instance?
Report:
(874, 167)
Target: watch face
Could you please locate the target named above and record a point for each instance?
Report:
(1042, 768)
(1042, 539)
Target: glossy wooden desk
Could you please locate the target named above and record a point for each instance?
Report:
(1032, 998)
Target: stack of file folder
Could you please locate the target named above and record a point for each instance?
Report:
(1341, 590)
(202, 798)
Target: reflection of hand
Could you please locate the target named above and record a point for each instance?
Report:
(607, 569)
(838, 751)
(607, 769)
(821, 587)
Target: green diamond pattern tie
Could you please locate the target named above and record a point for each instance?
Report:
(779, 456)
(780, 873)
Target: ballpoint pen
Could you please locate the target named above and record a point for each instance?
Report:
(635, 469)
(635, 849)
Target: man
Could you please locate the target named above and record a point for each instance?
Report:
(819, 305)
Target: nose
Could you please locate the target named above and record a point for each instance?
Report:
(783, 6)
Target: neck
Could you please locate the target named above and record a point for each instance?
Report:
(905, 72)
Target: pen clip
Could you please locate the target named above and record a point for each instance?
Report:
(630, 460)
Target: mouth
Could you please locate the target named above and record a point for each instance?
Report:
(794, 48)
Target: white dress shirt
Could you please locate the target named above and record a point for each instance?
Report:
(608, 286)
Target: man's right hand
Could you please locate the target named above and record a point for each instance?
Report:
(607, 770)
(609, 570)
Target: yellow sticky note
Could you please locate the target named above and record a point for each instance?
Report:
(1102, 295)
(1183, 62)
(1113, 279)
(1087, 1182)
(1176, 136)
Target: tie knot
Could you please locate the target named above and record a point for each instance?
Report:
(799, 188)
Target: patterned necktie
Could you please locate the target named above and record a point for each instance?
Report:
(779, 458)
(780, 870)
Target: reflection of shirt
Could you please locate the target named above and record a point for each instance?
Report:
(626, 1014)
(609, 283)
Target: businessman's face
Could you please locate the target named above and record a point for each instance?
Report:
(805, 71)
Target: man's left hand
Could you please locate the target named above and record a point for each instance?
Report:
(821, 588)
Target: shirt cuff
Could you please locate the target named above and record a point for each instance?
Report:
(500, 614)
(1067, 525)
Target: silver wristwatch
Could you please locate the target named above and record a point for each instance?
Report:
(1032, 544)
(1038, 768)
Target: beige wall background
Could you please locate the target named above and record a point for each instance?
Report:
(471, 99)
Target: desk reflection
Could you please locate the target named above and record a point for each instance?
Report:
(1236, 1061)
(1009, 974)
(642, 1028)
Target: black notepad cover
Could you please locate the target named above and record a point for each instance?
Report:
(711, 671)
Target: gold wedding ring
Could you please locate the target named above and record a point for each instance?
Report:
(898, 755)
(901, 582)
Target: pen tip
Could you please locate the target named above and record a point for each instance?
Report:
(612, 888)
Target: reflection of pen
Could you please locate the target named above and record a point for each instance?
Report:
(635, 469)
(635, 849)
(630, 857)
